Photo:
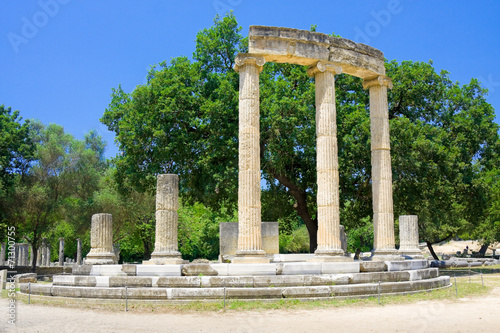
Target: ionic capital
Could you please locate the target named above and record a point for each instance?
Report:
(323, 66)
(380, 80)
(249, 58)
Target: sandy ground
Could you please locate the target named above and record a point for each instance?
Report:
(477, 314)
(452, 247)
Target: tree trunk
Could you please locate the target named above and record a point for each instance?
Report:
(431, 250)
(483, 249)
(301, 208)
(33, 257)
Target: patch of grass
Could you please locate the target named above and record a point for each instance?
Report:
(464, 288)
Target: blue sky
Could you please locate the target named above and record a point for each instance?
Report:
(59, 59)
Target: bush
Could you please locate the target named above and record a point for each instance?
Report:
(296, 242)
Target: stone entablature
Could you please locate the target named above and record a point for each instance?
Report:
(302, 47)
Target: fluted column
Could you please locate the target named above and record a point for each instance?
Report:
(383, 216)
(101, 240)
(408, 237)
(44, 252)
(167, 219)
(249, 209)
(327, 165)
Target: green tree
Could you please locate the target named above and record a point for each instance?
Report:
(184, 121)
(61, 175)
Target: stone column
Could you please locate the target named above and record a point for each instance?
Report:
(408, 237)
(30, 262)
(327, 166)
(383, 216)
(44, 252)
(101, 241)
(78, 251)
(167, 219)
(2, 255)
(249, 209)
(39, 257)
(47, 260)
(61, 251)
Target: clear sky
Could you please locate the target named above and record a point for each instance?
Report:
(59, 59)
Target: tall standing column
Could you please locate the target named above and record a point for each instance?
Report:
(249, 208)
(101, 241)
(327, 166)
(48, 262)
(39, 257)
(408, 237)
(61, 251)
(78, 251)
(167, 219)
(383, 216)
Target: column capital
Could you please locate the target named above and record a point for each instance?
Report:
(324, 66)
(249, 58)
(380, 80)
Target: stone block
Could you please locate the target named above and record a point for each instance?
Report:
(279, 280)
(251, 269)
(198, 269)
(372, 266)
(354, 289)
(398, 265)
(129, 270)
(253, 293)
(37, 289)
(419, 264)
(63, 280)
(340, 267)
(179, 281)
(301, 268)
(227, 281)
(130, 281)
(292, 257)
(3, 278)
(197, 293)
(229, 238)
(374, 277)
(85, 281)
(325, 279)
(222, 269)
(102, 281)
(112, 270)
(147, 293)
(25, 278)
(312, 291)
(159, 270)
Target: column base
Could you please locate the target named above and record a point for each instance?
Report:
(165, 258)
(409, 254)
(100, 259)
(386, 255)
(250, 257)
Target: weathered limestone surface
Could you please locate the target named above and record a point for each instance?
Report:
(78, 251)
(61, 251)
(249, 208)
(408, 237)
(383, 216)
(167, 204)
(329, 244)
(101, 241)
(302, 47)
(47, 259)
(2, 254)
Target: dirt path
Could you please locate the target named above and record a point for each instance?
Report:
(464, 315)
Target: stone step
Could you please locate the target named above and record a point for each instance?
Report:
(242, 281)
(218, 293)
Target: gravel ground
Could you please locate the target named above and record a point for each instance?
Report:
(477, 314)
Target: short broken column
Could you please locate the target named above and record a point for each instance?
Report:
(78, 251)
(47, 259)
(61, 251)
(167, 219)
(408, 237)
(101, 241)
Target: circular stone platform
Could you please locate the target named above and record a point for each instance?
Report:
(244, 281)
